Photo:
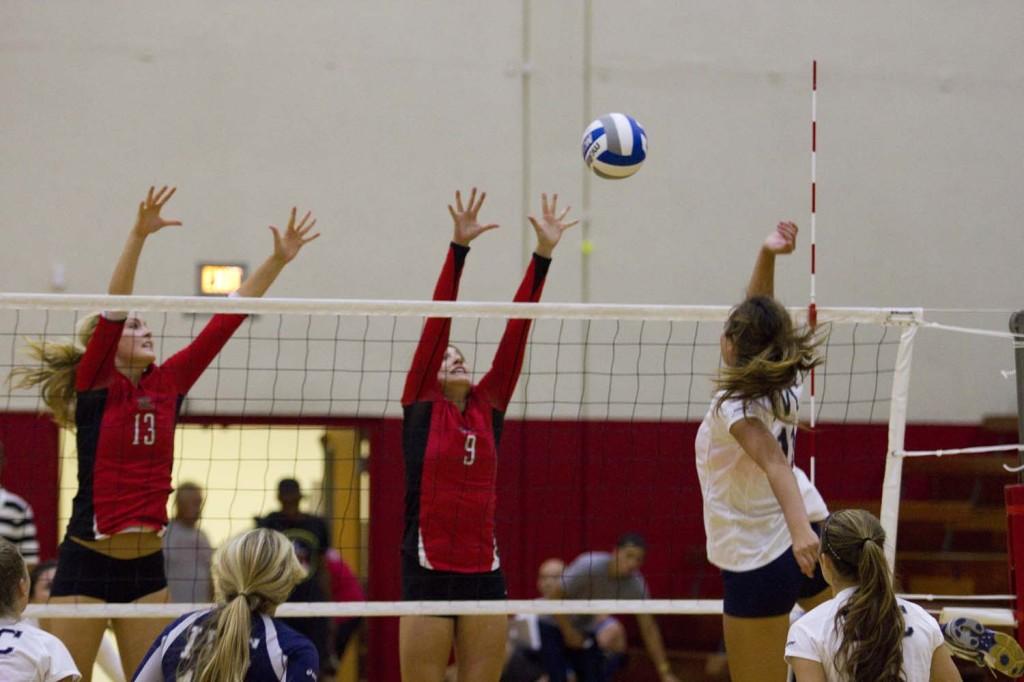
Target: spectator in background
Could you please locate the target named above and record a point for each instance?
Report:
(187, 551)
(603, 575)
(17, 524)
(311, 540)
(28, 653)
(345, 587)
(40, 578)
(525, 662)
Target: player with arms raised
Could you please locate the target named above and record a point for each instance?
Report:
(451, 432)
(759, 507)
(124, 408)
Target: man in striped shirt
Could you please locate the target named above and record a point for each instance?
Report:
(17, 524)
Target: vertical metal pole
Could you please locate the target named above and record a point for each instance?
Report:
(585, 222)
(525, 68)
(588, 29)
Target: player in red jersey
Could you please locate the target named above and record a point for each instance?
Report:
(451, 431)
(124, 408)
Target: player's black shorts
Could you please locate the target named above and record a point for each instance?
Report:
(771, 590)
(422, 584)
(82, 572)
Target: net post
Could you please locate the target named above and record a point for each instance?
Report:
(1017, 329)
(1014, 494)
(891, 482)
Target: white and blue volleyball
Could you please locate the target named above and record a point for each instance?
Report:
(614, 146)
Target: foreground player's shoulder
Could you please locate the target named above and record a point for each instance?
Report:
(167, 648)
(294, 650)
(917, 620)
(34, 648)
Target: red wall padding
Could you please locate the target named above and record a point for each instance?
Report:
(563, 488)
(569, 487)
(33, 450)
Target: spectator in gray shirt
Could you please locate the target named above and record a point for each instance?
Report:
(187, 551)
(614, 575)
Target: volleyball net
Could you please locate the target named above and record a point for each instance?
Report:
(597, 442)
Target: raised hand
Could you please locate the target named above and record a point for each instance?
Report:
(782, 240)
(288, 245)
(464, 217)
(550, 227)
(149, 220)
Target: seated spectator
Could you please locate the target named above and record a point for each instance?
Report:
(525, 662)
(29, 654)
(238, 639)
(595, 646)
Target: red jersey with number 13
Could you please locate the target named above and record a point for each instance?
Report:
(125, 433)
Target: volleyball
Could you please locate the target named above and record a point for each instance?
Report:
(614, 146)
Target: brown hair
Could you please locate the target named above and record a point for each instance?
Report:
(870, 625)
(54, 369)
(12, 572)
(771, 354)
(253, 573)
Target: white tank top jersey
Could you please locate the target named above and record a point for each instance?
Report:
(743, 521)
(28, 654)
(814, 637)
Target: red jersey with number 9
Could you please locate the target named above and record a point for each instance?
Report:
(125, 432)
(451, 457)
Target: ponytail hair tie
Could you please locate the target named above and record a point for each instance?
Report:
(251, 599)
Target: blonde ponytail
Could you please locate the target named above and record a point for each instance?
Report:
(253, 573)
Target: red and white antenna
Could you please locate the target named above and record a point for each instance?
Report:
(812, 308)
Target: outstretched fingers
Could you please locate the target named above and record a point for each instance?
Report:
(163, 196)
(479, 203)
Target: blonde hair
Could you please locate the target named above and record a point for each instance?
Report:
(252, 573)
(771, 355)
(54, 369)
(870, 625)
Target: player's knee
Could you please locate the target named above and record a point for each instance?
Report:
(612, 637)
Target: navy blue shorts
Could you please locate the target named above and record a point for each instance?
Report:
(771, 590)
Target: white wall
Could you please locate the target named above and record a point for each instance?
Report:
(371, 113)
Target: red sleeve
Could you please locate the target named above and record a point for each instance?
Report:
(426, 361)
(186, 366)
(97, 364)
(499, 384)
